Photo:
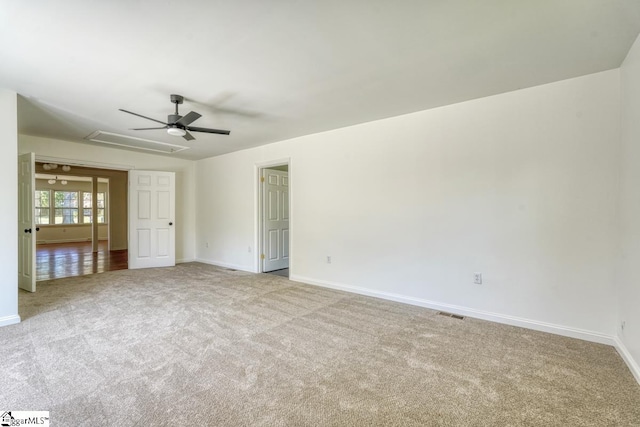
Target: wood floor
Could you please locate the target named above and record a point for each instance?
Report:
(56, 260)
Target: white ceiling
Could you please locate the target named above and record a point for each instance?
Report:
(273, 70)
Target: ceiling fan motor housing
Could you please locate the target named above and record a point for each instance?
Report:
(173, 118)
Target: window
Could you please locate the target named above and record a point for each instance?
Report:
(87, 216)
(66, 207)
(42, 207)
(86, 208)
(101, 208)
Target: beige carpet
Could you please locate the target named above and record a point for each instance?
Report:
(200, 345)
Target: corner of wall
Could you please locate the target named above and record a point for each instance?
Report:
(8, 211)
(628, 251)
(628, 358)
(9, 320)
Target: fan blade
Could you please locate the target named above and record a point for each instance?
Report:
(188, 136)
(205, 130)
(189, 118)
(164, 127)
(140, 115)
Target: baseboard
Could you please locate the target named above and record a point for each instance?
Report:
(78, 240)
(628, 359)
(9, 320)
(224, 264)
(469, 312)
(182, 261)
(485, 315)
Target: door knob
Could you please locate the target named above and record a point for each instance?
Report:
(37, 228)
(170, 223)
(27, 230)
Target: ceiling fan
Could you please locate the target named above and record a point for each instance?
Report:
(178, 125)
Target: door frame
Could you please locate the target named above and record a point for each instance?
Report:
(258, 221)
(94, 165)
(88, 164)
(26, 207)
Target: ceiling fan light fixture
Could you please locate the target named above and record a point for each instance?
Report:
(176, 132)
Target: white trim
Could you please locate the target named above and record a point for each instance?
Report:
(224, 265)
(182, 261)
(270, 163)
(628, 359)
(77, 240)
(84, 163)
(470, 312)
(9, 320)
(257, 221)
(257, 217)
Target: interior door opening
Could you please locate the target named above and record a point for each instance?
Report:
(80, 220)
(274, 220)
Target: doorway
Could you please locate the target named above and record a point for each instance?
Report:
(274, 218)
(80, 228)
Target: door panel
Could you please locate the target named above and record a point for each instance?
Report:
(26, 224)
(275, 213)
(163, 181)
(152, 218)
(144, 204)
(164, 208)
(285, 202)
(144, 243)
(273, 245)
(144, 180)
(285, 243)
(164, 241)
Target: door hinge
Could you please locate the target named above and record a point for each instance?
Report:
(262, 179)
(261, 256)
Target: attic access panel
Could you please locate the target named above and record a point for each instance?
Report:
(133, 142)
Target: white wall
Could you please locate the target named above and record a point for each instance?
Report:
(9, 210)
(518, 186)
(628, 279)
(184, 169)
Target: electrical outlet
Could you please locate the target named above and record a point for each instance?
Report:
(249, 249)
(206, 245)
(477, 278)
(328, 259)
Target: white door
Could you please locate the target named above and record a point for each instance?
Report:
(151, 219)
(26, 225)
(275, 215)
